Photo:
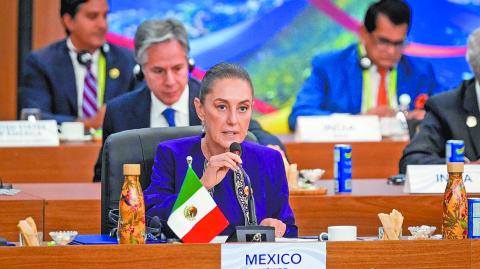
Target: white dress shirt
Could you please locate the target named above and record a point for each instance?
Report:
(181, 107)
(80, 71)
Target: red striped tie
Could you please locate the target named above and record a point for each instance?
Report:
(89, 106)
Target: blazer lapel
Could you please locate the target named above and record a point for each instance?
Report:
(64, 66)
(470, 104)
(141, 109)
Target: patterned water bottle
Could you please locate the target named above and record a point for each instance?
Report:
(131, 221)
(455, 206)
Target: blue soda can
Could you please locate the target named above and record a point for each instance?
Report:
(342, 168)
(473, 217)
(454, 151)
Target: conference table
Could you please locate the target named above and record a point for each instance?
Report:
(76, 206)
(372, 254)
(74, 161)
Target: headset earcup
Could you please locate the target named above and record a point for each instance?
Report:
(191, 64)
(138, 72)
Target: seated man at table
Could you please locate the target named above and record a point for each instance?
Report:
(450, 115)
(161, 49)
(368, 77)
(69, 80)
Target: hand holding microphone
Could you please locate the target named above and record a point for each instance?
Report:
(217, 168)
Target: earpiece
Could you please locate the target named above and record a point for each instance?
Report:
(365, 63)
(138, 72)
(84, 57)
(191, 64)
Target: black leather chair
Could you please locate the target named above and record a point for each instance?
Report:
(134, 146)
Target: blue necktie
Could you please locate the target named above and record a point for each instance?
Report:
(169, 114)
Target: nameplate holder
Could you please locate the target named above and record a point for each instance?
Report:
(434, 178)
(28, 134)
(334, 128)
(274, 255)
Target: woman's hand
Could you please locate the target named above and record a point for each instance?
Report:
(279, 226)
(218, 167)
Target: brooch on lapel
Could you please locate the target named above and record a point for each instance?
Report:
(114, 73)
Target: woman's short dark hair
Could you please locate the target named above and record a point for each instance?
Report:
(221, 71)
(397, 11)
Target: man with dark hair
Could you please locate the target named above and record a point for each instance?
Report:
(452, 115)
(70, 80)
(161, 49)
(368, 77)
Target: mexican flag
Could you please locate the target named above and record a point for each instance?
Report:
(195, 216)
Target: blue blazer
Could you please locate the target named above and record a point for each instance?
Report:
(446, 119)
(262, 164)
(335, 84)
(48, 80)
(132, 111)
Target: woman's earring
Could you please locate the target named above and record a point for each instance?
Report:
(203, 126)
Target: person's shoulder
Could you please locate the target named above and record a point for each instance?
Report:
(415, 63)
(121, 54)
(333, 57)
(451, 98)
(47, 52)
(260, 151)
(179, 144)
(119, 49)
(194, 84)
(130, 98)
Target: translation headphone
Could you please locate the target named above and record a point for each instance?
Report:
(364, 62)
(138, 72)
(85, 58)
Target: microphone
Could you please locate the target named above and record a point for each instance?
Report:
(236, 148)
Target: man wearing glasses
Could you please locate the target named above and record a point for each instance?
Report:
(370, 76)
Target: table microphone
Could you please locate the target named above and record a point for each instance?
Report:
(236, 148)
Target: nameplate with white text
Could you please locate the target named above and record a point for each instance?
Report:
(28, 134)
(434, 178)
(345, 128)
(274, 255)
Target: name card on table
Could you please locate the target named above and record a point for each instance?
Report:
(28, 134)
(345, 128)
(434, 178)
(274, 255)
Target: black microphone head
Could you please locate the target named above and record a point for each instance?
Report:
(236, 148)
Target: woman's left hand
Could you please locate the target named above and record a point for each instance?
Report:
(279, 226)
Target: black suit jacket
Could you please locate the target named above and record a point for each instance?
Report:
(132, 111)
(445, 119)
(48, 80)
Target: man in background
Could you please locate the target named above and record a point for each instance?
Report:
(368, 77)
(70, 80)
(453, 115)
(161, 49)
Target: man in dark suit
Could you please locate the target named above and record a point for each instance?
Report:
(66, 87)
(450, 115)
(161, 49)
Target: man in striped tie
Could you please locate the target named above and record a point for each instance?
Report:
(70, 80)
